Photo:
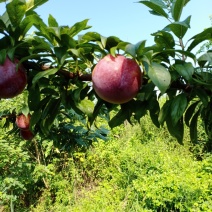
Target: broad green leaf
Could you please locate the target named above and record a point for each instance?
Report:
(52, 21)
(179, 28)
(33, 4)
(160, 76)
(190, 112)
(178, 106)
(185, 69)
(193, 127)
(176, 9)
(155, 7)
(86, 106)
(16, 11)
(176, 130)
(44, 74)
(203, 36)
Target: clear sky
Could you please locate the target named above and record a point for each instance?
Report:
(126, 19)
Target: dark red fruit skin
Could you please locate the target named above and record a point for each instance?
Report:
(26, 134)
(117, 79)
(23, 121)
(12, 81)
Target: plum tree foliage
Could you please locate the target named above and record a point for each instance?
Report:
(59, 61)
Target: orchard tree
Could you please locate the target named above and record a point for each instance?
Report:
(68, 78)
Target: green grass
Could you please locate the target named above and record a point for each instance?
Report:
(140, 168)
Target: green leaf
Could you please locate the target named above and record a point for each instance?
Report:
(203, 36)
(164, 112)
(160, 76)
(44, 74)
(16, 11)
(176, 9)
(178, 106)
(185, 69)
(179, 28)
(118, 119)
(189, 112)
(139, 47)
(176, 130)
(61, 54)
(164, 39)
(155, 7)
(78, 27)
(86, 106)
(52, 21)
(130, 49)
(193, 127)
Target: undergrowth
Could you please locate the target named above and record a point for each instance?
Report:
(140, 168)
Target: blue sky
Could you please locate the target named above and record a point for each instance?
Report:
(125, 19)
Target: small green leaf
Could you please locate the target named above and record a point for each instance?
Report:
(44, 74)
(52, 21)
(185, 69)
(178, 106)
(155, 7)
(160, 76)
(177, 7)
